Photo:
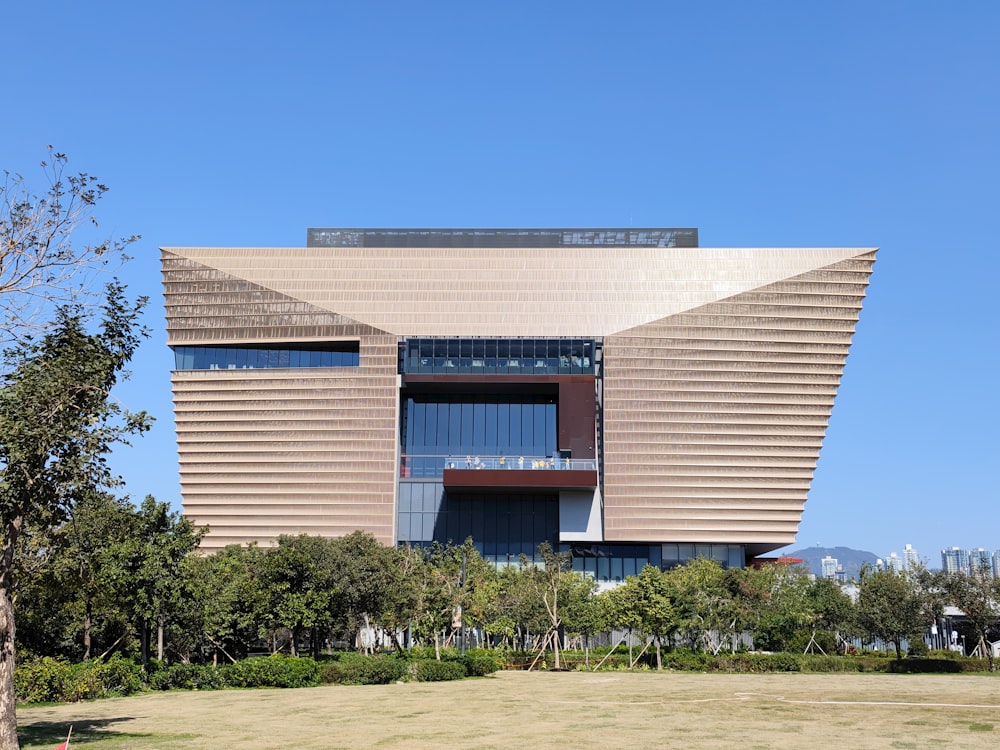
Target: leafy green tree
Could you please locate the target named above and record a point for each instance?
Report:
(623, 610)
(498, 602)
(450, 584)
(57, 425)
(893, 607)
(829, 608)
(583, 611)
(977, 594)
(364, 575)
(653, 599)
(232, 596)
(551, 583)
(153, 564)
(770, 602)
(300, 576)
(702, 603)
(82, 572)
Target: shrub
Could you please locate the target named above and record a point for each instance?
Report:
(755, 663)
(449, 653)
(272, 671)
(820, 663)
(41, 680)
(683, 660)
(432, 670)
(922, 666)
(95, 679)
(480, 662)
(366, 670)
(187, 677)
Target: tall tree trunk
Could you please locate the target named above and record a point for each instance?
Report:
(144, 640)
(88, 616)
(8, 717)
(8, 701)
(159, 638)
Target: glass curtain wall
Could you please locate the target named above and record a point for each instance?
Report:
(436, 429)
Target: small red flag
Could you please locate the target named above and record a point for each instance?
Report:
(65, 745)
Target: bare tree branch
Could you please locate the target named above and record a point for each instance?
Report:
(43, 263)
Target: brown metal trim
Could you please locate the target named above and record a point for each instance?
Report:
(484, 480)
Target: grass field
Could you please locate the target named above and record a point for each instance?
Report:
(568, 709)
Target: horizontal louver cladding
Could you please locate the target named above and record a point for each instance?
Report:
(720, 370)
(748, 381)
(323, 440)
(515, 292)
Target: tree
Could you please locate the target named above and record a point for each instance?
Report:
(769, 601)
(652, 596)
(702, 603)
(43, 263)
(302, 582)
(363, 574)
(233, 598)
(551, 582)
(829, 609)
(57, 425)
(977, 594)
(152, 560)
(583, 612)
(82, 572)
(893, 607)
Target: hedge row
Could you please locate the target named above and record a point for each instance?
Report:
(49, 680)
(683, 660)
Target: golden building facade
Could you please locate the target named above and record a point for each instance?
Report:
(391, 380)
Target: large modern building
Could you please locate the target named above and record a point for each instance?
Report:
(621, 393)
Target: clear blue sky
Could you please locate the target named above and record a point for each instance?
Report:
(762, 124)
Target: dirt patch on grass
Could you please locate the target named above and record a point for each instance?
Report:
(518, 709)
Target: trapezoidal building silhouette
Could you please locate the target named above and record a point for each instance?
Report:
(620, 393)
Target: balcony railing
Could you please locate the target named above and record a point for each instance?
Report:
(431, 466)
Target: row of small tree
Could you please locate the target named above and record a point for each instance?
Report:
(114, 574)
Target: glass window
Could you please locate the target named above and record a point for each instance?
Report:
(468, 426)
(503, 428)
(430, 425)
(492, 448)
(539, 441)
(443, 441)
(527, 429)
(479, 421)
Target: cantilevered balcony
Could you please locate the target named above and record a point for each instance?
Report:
(481, 473)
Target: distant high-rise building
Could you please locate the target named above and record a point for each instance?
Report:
(894, 563)
(829, 566)
(980, 559)
(910, 557)
(996, 564)
(955, 560)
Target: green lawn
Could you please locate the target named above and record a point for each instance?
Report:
(549, 709)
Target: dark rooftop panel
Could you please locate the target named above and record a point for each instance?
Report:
(501, 237)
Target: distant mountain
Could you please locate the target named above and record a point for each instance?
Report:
(850, 559)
